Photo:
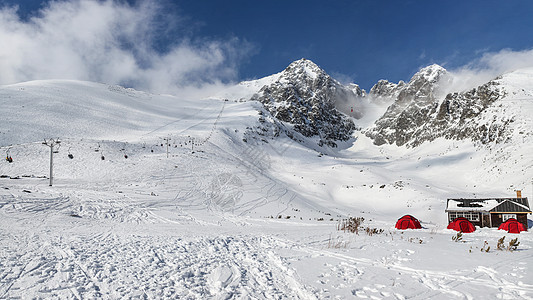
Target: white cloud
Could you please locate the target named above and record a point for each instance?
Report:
(489, 66)
(112, 42)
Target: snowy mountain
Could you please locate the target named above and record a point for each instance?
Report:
(34, 110)
(307, 98)
(303, 102)
(414, 102)
(421, 113)
(160, 197)
(385, 90)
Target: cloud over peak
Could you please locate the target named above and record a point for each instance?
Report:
(114, 42)
(488, 66)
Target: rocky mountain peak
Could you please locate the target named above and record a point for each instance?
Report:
(356, 89)
(386, 89)
(303, 69)
(431, 73)
(423, 84)
(310, 100)
(421, 113)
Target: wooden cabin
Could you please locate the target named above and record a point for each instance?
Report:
(490, 212)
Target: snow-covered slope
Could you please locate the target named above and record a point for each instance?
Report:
(245, 90)
(215, 215)
(36, 110)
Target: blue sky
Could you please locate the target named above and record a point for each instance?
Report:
(355, 41)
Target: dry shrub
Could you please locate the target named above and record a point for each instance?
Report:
(351, 224)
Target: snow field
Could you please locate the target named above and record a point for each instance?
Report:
(240, 220)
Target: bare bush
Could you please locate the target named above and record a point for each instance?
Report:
(372, 231)
(337, 243)
(351, 224)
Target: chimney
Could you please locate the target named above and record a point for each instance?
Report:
(518, 194)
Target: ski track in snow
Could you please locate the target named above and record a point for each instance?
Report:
(130, 266)
(118, 257)
(232, 220)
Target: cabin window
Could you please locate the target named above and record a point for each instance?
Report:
(506, 217)
(470, 216)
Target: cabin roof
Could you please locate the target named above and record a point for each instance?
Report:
(493, 205)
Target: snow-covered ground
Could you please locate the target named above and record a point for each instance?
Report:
(224, 218)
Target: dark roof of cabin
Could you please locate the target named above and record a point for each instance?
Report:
(510, 206)
(504, 204)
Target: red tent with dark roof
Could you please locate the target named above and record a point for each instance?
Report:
(408, 222)
(512, 226)
(462, 224)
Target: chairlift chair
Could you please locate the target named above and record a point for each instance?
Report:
(8, 157)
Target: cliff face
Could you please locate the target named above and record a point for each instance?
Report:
(419, 115)
(305, 97)
(305, 101)
(414, 103)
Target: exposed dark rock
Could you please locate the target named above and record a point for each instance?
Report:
(415, 102)
(306, 97)
(418, 115)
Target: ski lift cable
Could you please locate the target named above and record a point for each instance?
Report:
(57, 141)
(182, 131)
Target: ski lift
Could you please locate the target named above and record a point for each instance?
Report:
(124, 150)
(70, 154)
(102, 157)
(9, 159)
(58, 146)
(97, 149)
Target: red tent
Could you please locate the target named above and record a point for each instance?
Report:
(512, 226)
(407, 222)
(462, 224)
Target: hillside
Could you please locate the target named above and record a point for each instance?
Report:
(239, 204)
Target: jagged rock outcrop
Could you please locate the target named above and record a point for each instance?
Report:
(356, 90)
(458, 115)
(419, 114)
(414, 103)
(386, 90)
(306, 97)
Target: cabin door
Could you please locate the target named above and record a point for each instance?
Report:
(485, 220)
